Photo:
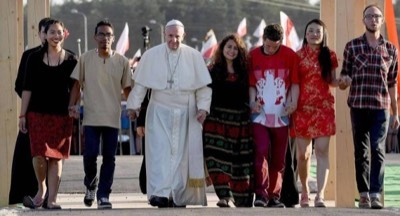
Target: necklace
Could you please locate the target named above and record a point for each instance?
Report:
(48, 59)
(172, 70)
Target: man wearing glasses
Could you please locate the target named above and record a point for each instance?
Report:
(101, 73)
(370, 69)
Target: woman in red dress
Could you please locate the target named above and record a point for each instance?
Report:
(44, 112)
(314, 118)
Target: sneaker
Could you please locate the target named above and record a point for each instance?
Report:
(319, 202)
(364, 202)
(304, 201)
(275, 203)
(376, 203)
(104, 203)
(89, 197)
(260, 201)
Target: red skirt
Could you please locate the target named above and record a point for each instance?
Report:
(50, 135)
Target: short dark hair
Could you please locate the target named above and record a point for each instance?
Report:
(273, 32)
(43, 23)
(103, 23)
(370, 6)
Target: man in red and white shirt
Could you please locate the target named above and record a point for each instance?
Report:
(274, 90)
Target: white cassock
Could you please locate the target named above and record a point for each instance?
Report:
(174, 146)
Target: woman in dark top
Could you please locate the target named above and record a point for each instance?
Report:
(228, 146)
(44, 112)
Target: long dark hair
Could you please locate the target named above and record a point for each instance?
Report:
(324, 57)
(46, 29)
(219, 66)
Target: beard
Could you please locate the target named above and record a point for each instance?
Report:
(371, 30)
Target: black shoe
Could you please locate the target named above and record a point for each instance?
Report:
(260, 201)
(104, 203)
(275, 203)
(160, 202)
(89, 197)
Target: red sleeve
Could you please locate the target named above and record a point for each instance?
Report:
(334, 60)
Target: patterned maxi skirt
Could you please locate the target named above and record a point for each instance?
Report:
(228, 152)
(50, 135)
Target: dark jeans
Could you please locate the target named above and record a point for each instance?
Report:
(369, 132)
(109, 138)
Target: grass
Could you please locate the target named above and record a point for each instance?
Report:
(392, 184)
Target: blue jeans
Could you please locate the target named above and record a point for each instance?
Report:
(369, 132)
(109, 138)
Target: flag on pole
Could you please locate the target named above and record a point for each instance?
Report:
(390, 20)
(242, 28)
(209, 46)
(134, 60)
(290, 37)
(123, 41)
(259, 32)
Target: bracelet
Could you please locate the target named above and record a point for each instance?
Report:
(21, 116)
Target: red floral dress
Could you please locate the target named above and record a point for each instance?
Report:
(315, 114)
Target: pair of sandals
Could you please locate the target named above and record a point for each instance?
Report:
(29, 202)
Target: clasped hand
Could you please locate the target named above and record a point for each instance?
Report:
(201, 116)
(344, 81)
(73, 111)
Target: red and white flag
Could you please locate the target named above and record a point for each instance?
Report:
(290, 37)
(242, 28)
(123, 41)
(259, 32)
(134, 60)
(209, 46)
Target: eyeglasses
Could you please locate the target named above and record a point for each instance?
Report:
(373, 16)
(103, 35)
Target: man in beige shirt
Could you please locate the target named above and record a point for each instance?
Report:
(101, 74)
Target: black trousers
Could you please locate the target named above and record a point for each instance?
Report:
(290, 193)
(142, 173)
(23, 179)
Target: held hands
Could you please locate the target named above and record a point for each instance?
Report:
(201, 116)
(255, 106)
(133, 114)
(344, 81)
(140, 131)
(289, 108)
(73, 111)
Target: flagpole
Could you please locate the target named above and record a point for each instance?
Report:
(79, 46)
(75, 11)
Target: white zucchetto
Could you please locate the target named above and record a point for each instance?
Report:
(175, 22)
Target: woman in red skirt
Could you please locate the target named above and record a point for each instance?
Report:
(44, 112)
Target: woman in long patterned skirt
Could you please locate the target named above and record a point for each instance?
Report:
(228, 146)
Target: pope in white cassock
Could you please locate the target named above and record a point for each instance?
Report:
(179, 103)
